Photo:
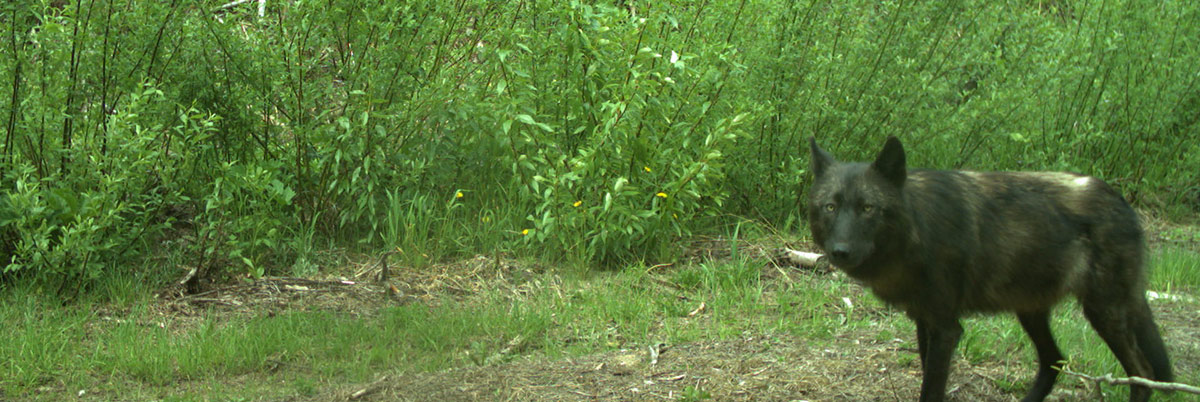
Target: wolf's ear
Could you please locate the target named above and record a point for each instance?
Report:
(820, 159)
(890, 162)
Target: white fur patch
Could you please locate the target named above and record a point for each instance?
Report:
(1082, 181)
(1069, 180)
(972, 174)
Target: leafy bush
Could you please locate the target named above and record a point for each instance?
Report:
(592, 132)
(70, 228)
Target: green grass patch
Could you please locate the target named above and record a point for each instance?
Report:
(130, 351)
(67, 347)
(1175, 269)
(41, 344)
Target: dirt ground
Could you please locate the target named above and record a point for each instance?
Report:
(751, 368)
(853, 367)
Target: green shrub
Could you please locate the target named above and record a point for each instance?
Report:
(600, 133)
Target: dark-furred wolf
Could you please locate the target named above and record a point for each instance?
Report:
(943, 244)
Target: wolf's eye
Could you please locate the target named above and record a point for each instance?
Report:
(829, 207)
(867, 208)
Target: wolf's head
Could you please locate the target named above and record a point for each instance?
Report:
(853, 208)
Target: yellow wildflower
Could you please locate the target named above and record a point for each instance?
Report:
(647, 168)
(577, 204)
(524, 232)
(458, 194)
(661, 195)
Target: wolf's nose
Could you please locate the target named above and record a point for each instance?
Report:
(839, 251)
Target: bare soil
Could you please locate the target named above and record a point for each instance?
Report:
(746, 369)
(857, 367)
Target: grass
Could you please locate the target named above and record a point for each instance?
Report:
(120, 346)
(1175, 269)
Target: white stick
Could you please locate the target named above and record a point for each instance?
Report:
(801, 258)
(233, 3)
(1162, 386)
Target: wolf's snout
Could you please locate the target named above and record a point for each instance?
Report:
(839, 251)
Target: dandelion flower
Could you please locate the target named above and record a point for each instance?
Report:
(661, 195)
(577, 203)
(458, 194)
(524, 232)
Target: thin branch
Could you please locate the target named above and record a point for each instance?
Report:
(262, 6)
(1157, 385)
(233, 3)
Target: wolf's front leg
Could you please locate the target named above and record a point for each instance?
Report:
(936, 341)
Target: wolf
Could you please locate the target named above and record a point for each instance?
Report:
(941, 244)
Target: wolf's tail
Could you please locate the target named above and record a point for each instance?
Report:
(1151, 344)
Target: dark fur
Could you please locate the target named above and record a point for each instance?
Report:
(942, 244)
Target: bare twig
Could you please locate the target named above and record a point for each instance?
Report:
(227, 302)
(233, 4)
(187, 277)
(1158, 385)
(262, 6)
(657, 266)
(372, 388)
(517, 343)
(581, 393)
(798, 258)
(655, 351)
(383, 265)
(698, 310)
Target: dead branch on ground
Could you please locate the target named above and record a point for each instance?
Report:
(1156, 385)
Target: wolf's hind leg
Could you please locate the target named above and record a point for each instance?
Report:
(1150, 342)
(1119, 322)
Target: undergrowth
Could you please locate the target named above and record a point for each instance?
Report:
(597, 134)
(126, 348)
